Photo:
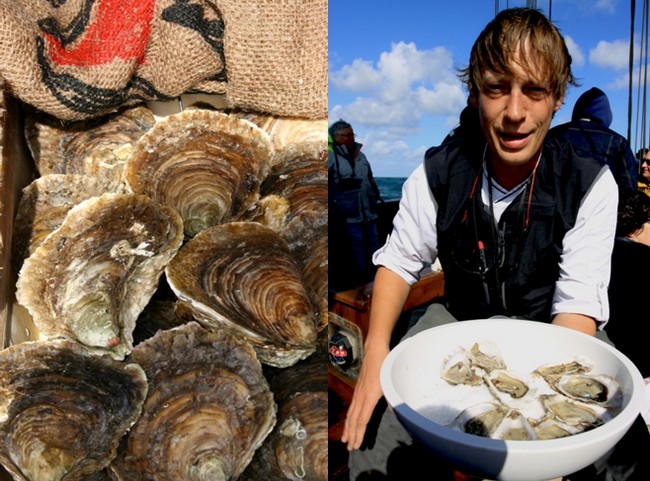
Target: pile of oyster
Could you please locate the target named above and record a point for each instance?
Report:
(173, 271)
(552, 401)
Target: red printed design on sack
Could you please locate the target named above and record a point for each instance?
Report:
(119, 29)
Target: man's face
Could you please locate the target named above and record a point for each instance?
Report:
(345, 137)
(516, 113)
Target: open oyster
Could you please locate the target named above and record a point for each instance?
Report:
(591, 388)
(502, 381)
(207, 410)
(481, 419)
(486, 355)
(205, 164)
(457, 369)
(43, 205)
(63, 410)
(90, 279)
(574, 413)
(97, 147)
(242, 277)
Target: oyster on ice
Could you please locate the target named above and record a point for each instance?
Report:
(481, 419)
(91, 278)
(457, 369)
(573, 413)
(64, 410)
(242, 277)
(96, 147)
(207, 410)
(205, 164)
(505, 382)
(43, 205)
(591, 388)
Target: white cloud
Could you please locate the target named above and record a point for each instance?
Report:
(405, 84)
(613, 55)
(577, 57)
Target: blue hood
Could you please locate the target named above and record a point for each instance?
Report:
(593, 105)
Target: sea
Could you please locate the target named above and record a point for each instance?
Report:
(390, 187)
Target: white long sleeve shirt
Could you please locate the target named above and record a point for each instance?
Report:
(586, 252)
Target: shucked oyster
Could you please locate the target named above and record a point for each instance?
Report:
(205, 164)
(97, 147)
(90, 279)
(242, 277)
(207, 410)
(63, 410)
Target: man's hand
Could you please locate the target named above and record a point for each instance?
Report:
(365, 398)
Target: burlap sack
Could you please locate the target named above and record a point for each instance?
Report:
(78, 59)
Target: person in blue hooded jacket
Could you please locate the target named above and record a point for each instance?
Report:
(589, 132)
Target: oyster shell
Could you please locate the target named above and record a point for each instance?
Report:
(591, 388)
(91, 278)
(573, 413)
(286, 132)
(207, 410)
(457, 369)
(98, 148)
(481, 419)
(486, 355)
(43, 205)
(551, 428)
(300, 176)
(514, 427)
(242, 277)
(297, 447)
(63, 410)
(508, 383)
(205, 164)
(307, 237)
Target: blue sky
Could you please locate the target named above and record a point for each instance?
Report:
(393, 67)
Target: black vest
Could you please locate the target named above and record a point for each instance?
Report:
(521, 256)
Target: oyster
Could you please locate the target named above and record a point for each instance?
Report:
(205, 164)
(90, 279)
(43, 205)
(98, 148)
(551, 428)
(63, 410)
(481, 419)
(591, 388)
(514, 427)
(486, 355)
(572, 412)
(207, 410)
(457, 369)
(307, 237)
(552, 372)
(297, 447)
(505, 382)
(286, 132)
(300, 176)
(242, 277)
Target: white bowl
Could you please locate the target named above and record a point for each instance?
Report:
(413, 388)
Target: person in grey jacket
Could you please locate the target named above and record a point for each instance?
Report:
(353, 201)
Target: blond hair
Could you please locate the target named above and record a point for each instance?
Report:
(526, 36)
